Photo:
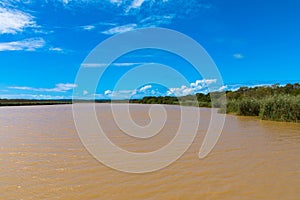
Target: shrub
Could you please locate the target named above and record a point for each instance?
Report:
(249, 107)
(281, 108)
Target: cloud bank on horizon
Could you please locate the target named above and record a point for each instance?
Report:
(44, 42)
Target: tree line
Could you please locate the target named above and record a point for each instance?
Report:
(275, 102)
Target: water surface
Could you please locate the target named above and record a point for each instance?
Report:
(42, 157)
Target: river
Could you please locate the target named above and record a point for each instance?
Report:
(42, 157)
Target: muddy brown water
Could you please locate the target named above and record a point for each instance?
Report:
(42, 157)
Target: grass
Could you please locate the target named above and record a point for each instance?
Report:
(277, 108)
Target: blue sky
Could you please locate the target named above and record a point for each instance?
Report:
(44, 42)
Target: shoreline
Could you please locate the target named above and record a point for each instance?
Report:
(57, 103)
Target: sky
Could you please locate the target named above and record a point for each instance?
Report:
(43, 44)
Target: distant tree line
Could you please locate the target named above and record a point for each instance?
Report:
(280, 103)
(201, 100)
(29, 102)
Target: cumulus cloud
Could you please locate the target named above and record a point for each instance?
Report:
(120, 94)
(196, 87)
(13, 21)
(193, 88)
(107, 92)
(127, 94)
(60, 87)
(30, 44)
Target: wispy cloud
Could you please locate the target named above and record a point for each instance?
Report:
(118, 2)
(30, 44)
(127, 64)
(136, 4)
(55, 49)
(120, 29)
(60, 87)
(13, 21)
(156, 20)
(88, 27)
(32, 96)
(238, 56)
(145, 88)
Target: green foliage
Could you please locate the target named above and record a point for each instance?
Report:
(24, 102)
(281, 108)
(249, 107)
(269, 103)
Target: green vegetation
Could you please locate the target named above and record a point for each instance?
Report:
(203, 100)
(269, 103)
(26, 102)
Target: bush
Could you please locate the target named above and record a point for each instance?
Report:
(281, 108)
(249, 107)
(278, 108)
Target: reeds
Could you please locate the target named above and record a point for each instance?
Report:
(278, 107)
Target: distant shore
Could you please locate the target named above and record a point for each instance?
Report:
(276, 103)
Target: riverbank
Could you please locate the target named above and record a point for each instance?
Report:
(276, 103)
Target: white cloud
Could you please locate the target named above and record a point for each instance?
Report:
(124, 64)
(121, 94)
(202, 83)
(93, 65)
(107, 92)
(182, 91)
(156, 20)
(55, 49)
(60, 87)
(113, 64)
(238, 56)
(144, 88)
(32, 96)
(120, 29)
(223, 88)
(136, 4)
(88, 27)
(196, 87)
(27, 45)
(193, 88)
(118, 2)
(13, 21)
(85, 92)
